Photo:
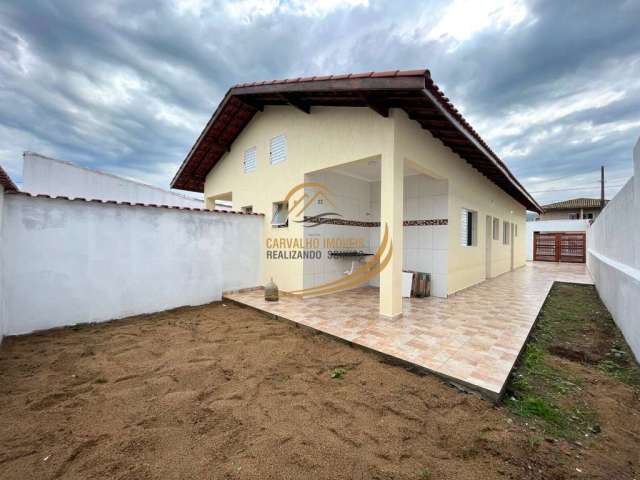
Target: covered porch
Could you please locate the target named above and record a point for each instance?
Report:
(365, 199)
(473, 338)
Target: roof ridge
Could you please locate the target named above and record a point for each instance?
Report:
(343, 76)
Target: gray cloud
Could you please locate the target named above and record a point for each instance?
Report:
(127, 86)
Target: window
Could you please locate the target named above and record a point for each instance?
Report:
(249, 159)
(468, 226)
(278, 149)
(496, 229)
(222, 205)
(280, 214)
(588, 216)
(505, 233)
(573, 216)
(247, 209)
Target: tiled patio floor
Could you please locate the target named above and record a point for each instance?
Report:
(472, 338)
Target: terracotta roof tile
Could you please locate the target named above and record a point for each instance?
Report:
(362, 75)
(389, 73)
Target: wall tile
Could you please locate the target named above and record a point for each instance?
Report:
(441, 237)
(440, 261)
(425, 237)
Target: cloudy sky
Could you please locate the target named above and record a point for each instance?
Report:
(126, 87)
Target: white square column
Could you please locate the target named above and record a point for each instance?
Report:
(391, 217)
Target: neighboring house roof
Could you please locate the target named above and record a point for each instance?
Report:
(574, 203)
(414, 91)
(6, 182)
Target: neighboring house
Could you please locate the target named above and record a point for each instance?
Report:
(532, 217)
(48, 176)
(573, 209)
(391, 150)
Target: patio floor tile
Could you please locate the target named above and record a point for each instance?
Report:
(472, 338)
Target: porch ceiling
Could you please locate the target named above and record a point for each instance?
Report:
(413, 91)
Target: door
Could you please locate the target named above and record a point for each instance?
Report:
(488, 241)
(573, 247)
(559, 247)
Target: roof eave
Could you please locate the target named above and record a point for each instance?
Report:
(486, 152)
(185, 162)
(6, 182)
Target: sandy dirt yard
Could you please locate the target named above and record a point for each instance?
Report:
(225, 392)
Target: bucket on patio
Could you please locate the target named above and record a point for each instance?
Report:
(271, 291)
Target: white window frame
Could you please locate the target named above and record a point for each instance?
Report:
(247, 209)
(250, 160)
(280, 215)
(273, 146)
(496, 228)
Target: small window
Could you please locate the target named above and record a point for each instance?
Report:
(505, 233)
(496, 229)
(588, 216)
(515, 232)
(468, 224)
(278, 149)
(573, 216)
(247, 209)
(249, 159)
(280, 214)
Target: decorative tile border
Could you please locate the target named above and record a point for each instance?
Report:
(356, 223)
(428, 223)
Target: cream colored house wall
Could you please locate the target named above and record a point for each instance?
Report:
(332, 136)
(325, 138)
(467, 189)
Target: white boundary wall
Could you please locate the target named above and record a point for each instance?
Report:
(3, 326)
(64, 179)
(553, 226)
(614, 256)
(66, 262)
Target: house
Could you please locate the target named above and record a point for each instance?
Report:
(573, 209)
(362, 177)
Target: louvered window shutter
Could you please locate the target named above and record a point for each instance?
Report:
(278, 150)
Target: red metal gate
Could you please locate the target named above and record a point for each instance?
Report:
(559, 247)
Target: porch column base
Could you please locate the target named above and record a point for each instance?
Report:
(391, 317)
